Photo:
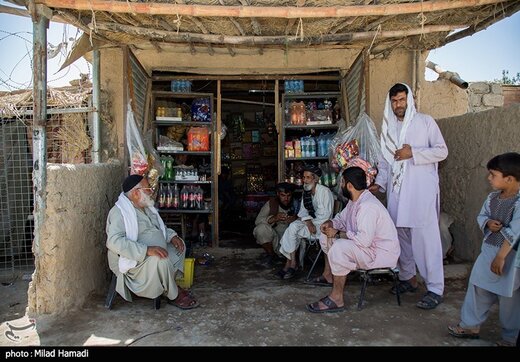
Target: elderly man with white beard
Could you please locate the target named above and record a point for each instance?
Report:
(316, 207)
(144, 254)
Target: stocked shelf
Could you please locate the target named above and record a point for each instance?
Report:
(186, 120)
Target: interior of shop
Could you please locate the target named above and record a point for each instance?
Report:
(249, 150)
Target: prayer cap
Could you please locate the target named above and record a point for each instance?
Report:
(285, 187)
(312, 168)
(130, 182)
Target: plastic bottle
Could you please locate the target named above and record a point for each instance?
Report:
(162, 199)
(175, 203)
(184, 197)
(169, 197)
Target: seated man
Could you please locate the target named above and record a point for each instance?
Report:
(142, 252)
(362, 236)
(273, 219)
(316, 207)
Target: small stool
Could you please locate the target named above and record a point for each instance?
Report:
(365, 277)
(111, 295)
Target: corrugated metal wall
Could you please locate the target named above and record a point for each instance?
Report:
(139, 86)
(355, 87)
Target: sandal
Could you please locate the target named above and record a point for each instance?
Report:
(289, 274)
(184, 301)
(504, 343)
(429, 301)
(320, 281)
(461, 332)
(404, 287)
(331, 306)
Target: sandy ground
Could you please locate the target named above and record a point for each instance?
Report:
(242, 304)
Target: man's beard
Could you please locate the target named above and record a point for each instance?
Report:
(347, 193)
(400, 110)
(308, 187)
(145, 200)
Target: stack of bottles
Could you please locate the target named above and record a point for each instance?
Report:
(294, 86)
(309, 146)
(190, 197)
(181, 86)
(328, 176)
(167, 163)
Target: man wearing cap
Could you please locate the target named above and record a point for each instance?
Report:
(412, 147)
(316, 207)
(144, 254)
(273, 219)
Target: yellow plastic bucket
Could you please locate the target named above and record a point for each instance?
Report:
(189, 268)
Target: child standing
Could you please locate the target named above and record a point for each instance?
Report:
(494, 277)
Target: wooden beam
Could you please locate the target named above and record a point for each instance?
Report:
(285, 12)
(169, 78)
(169, 36)
(497, 16)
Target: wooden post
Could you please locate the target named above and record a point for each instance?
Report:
(217, 166)
(40, 25)
(278, 125)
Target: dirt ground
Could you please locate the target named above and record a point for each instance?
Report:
(242, 304)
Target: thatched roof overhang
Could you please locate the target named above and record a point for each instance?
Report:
(238, 25)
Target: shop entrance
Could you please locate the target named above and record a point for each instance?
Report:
(249, 153)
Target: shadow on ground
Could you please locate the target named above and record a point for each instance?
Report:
(243, 304)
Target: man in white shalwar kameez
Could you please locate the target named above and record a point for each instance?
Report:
(412, 146)
(362, 236)
(316, 207)
(144, 254)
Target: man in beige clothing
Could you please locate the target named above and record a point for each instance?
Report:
(273, 219)
(144, 254)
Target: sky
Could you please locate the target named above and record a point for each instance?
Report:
(481, 57)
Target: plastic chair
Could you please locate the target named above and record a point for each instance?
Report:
(111, 295)
(366, 275)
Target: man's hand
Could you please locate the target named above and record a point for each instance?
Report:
(403, 153)
(156, 251)
(497, 266)
(494, 225)
(281, 216)
(311, 227)
(331, 232)
(290, 219)
(327, 224)
(177, 243)
(374, 188)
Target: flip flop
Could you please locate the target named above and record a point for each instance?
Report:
(319, 281)
(332, 307)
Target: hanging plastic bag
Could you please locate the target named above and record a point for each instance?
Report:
(155, 167)
(358, 141)
(136, 149)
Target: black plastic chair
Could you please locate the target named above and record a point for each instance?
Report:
(111, 295)
(366, 276)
